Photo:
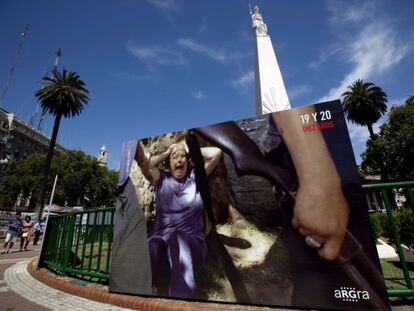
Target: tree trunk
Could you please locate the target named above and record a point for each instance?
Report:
(46, 169)
(383, 171)
(371, 132)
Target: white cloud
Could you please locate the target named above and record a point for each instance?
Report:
(396, 102)
(359, 134)
(325, 55)
(199, 95)
(217, 54)
(244, 80)
(157, 55)
(342, 12)
(374, 49)
(298, 91)
(168, 5)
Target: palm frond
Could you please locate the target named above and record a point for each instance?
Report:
(364, 102)
(63, 93)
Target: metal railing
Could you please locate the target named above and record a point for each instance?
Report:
(383, 189)
(79, 243)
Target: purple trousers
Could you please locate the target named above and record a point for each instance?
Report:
(178, 257)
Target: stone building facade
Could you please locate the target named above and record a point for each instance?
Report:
(19, 139)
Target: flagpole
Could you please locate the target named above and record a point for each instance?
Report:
(48, 214)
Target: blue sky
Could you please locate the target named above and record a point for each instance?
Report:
(154, 66)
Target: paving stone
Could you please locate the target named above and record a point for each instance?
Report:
(20, 281)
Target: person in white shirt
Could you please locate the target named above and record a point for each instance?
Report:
(37, 232)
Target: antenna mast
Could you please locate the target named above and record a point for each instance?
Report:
(13, 67)
(48, 74)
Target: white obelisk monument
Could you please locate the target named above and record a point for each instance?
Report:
(271, 93)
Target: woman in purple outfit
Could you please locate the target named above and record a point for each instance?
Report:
(177, 243)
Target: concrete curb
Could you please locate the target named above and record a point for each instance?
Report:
(126, 301)
(22, 283)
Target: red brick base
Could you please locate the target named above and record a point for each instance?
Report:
(126, 301)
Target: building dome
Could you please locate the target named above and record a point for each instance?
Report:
(103, 156)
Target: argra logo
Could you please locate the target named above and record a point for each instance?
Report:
(351, 294)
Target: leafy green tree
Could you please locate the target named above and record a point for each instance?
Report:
(9, 190)
(79, 169)
(83, 177)
(364, 104)
(24, 177)
(102, 187)
(79, 176)
(392, 152)
(63, 94)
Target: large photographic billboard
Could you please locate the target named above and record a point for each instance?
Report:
(265, 211)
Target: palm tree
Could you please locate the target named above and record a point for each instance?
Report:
(364, 104)
(62, 94)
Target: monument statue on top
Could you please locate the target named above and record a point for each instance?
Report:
(271, 93)
(258, 25)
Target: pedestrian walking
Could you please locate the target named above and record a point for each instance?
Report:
(27, 226)
(37, 232)
(12, 233)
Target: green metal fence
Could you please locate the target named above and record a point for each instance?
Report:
(385, 190)
(79, 243)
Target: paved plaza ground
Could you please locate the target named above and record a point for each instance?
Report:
(19, 291)
(10, 300)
